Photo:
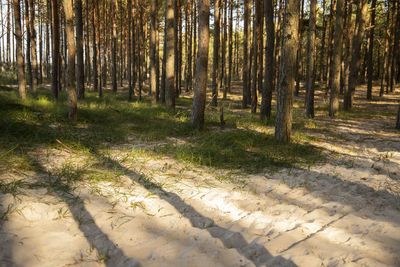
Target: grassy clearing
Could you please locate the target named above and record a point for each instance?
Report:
(246, 144)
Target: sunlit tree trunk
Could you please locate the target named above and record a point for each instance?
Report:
(32, 30)
(266, 101)
(19, 53)
(72, 97)
(80, 72)
(216, 52)
(283, 125)
(153, 47)
(246, 65)
(170, 58)
(362, 10)
(200, 86)
(310, 59)
(28, 48)
(55, 47)
(336, 59)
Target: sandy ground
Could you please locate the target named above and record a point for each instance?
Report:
(344, 212)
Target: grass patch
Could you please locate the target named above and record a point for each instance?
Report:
(247, 144)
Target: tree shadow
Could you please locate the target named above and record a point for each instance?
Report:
(105, 247)
(253, 251)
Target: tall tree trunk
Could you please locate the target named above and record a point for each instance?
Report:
(170, 58)
(153, 47)
(55, 47)
(266, 102)
(19, 53)
(257, 60)
(29, 48)
(200, 86)
(72, 98)
(299, 60)
(246, 65)
(370, 64)
(283, 126)
(230, 47)
(189, 25)
(322, 54)
(129, 63)
(223, 50)
(310, 59)
(114, 47)
(32, 30)
(336, 59)
(80, 72)
(216, 52)
(362, 10)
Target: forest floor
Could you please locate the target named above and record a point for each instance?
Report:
(131, 184)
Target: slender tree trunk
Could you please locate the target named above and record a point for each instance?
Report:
(80, 72)
(28, 48)
(129, 63)
(189, 26)
(94, 47)
(230, 47)
(299, 64)
(322, 56)
(216, 52)
(257, 60)
(223, 50)
(398, 119)
(266, 102)
(55, 48)
(72, 98)
(336, 59)
(246, 65)
(310, 59)
(32, 30)
(370, 64)
(19, 53)
(356, 51)
(114, 47)
(283, 126)
(170, 58)
(153, 47)
(200, 86)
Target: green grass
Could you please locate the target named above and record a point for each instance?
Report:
(246, 144)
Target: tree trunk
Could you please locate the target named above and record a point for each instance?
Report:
(19, 53)
(216, 52)
(170, 58)
(299, 64)
(336, 59)
(114, 47)
(230, 47)
(55, 47)
(266, 101)
(72, 98)
(310, 60)
(200, 86)
(370, 64)
(246, 65)
(32, 30)
(28, 48)
(283, 126)
(80, 71)
(362, 10)
(153, 47)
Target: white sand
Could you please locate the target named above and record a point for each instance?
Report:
(342, 213)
